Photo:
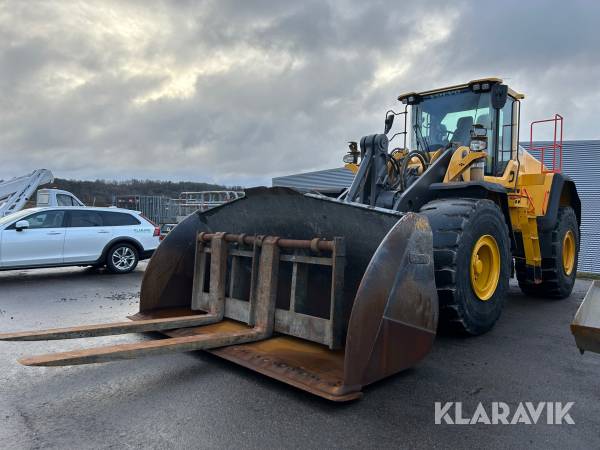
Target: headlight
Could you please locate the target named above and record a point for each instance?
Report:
(350, 158)
(478, 145)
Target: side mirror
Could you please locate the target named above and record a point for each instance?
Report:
(389, 121)
(21, 225)
(352, 156)
(478, 130)
(499, 94)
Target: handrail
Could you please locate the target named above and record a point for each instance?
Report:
(556, 145)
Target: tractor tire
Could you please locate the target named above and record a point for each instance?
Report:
(463, 230)
(560, 269)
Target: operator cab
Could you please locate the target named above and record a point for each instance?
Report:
(448, 117)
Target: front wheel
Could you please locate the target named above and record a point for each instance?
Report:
(122, 258)
(471, 249)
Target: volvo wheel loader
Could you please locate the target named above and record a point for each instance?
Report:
(332, 294)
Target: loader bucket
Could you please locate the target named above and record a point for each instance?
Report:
(586, 324)
(384, 319)
(320, 294)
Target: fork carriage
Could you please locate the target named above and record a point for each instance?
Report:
(289, 308)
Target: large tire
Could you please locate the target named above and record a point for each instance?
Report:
(556, 282)
(122, 258)
(458, 225)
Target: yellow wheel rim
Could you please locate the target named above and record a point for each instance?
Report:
(568, 252)
(485, 267)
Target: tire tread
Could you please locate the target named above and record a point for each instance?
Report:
(449, 220)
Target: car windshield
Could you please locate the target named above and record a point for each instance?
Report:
(448, 117)
(16, 216)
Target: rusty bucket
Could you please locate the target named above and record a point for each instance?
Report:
(323, 295)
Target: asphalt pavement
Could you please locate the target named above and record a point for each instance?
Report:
(196, 400)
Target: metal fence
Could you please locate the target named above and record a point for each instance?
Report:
(157, 208)
(188, 202)
(162, 210)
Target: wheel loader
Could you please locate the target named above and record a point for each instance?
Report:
(330, 294)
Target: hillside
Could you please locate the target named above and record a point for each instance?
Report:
(101, 192)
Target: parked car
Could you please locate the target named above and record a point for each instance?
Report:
(76, 236)
(166, 229)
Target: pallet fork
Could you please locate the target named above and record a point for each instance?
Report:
(278, 306)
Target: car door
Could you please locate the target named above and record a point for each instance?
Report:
(40, 244)
(86, 236)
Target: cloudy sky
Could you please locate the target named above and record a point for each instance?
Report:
(240, 91)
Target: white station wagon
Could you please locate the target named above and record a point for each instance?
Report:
(76, 236)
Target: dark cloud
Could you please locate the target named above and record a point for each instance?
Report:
(238, 92)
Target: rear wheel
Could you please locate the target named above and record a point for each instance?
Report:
(471, 249)
(122, 258)
(560, 269)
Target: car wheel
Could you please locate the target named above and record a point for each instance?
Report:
(122, 258)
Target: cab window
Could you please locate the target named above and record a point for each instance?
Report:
(505, 136)
(447, 117)
(65, 200)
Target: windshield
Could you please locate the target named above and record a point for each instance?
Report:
(16, 216)
(448, 117)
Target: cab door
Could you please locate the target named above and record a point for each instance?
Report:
(38, 245)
